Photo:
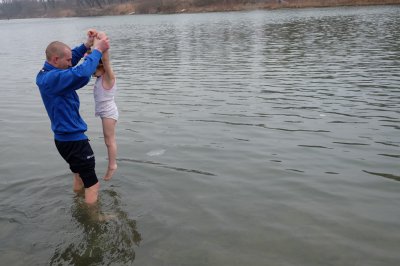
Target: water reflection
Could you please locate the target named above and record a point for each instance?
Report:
(101, 235)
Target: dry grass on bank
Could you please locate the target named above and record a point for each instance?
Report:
(178, 6)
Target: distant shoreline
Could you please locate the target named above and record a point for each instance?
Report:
(145, 8)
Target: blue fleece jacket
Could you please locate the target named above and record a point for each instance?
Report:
(58, 90)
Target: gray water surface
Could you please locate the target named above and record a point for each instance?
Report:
(247, 138)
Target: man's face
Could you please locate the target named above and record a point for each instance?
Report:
(64, 62)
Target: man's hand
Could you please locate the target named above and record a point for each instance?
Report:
(101, 42)
(91, 35)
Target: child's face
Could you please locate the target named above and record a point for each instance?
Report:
(99, 71)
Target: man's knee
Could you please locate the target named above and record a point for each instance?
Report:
(88, 176)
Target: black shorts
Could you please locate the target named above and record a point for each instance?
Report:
(80, 157)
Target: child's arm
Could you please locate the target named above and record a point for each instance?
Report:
(108, 77)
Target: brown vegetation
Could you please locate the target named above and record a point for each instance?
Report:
(63, 8)
(178, 6)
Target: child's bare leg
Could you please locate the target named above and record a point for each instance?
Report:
(78, 183)
(109, 139)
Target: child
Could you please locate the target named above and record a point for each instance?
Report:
(105, 107)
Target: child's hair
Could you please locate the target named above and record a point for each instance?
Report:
(88, 52)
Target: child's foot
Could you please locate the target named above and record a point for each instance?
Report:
(110, 172)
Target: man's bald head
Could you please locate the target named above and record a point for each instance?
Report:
(59, 55)
(56, 48)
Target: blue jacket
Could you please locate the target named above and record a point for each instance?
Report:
(58, 90)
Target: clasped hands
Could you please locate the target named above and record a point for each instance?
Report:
(98, 40)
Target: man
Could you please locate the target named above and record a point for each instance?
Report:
(58, 81)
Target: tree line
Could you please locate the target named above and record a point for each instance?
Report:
(38, 8)
(55, 8)
(35, 8)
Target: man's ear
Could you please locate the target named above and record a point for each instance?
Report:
(55, 59)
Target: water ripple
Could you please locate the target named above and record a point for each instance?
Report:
(385, 175)
(180, 169)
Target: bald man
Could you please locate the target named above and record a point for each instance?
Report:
(58, 81)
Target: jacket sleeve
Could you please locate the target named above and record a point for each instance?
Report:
(77, 54)
(75, 77)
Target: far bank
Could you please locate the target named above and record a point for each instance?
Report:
(33, 9)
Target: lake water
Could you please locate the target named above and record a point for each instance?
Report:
(247, 138)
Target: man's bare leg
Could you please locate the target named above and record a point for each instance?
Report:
(92, 193)
(78, 183)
